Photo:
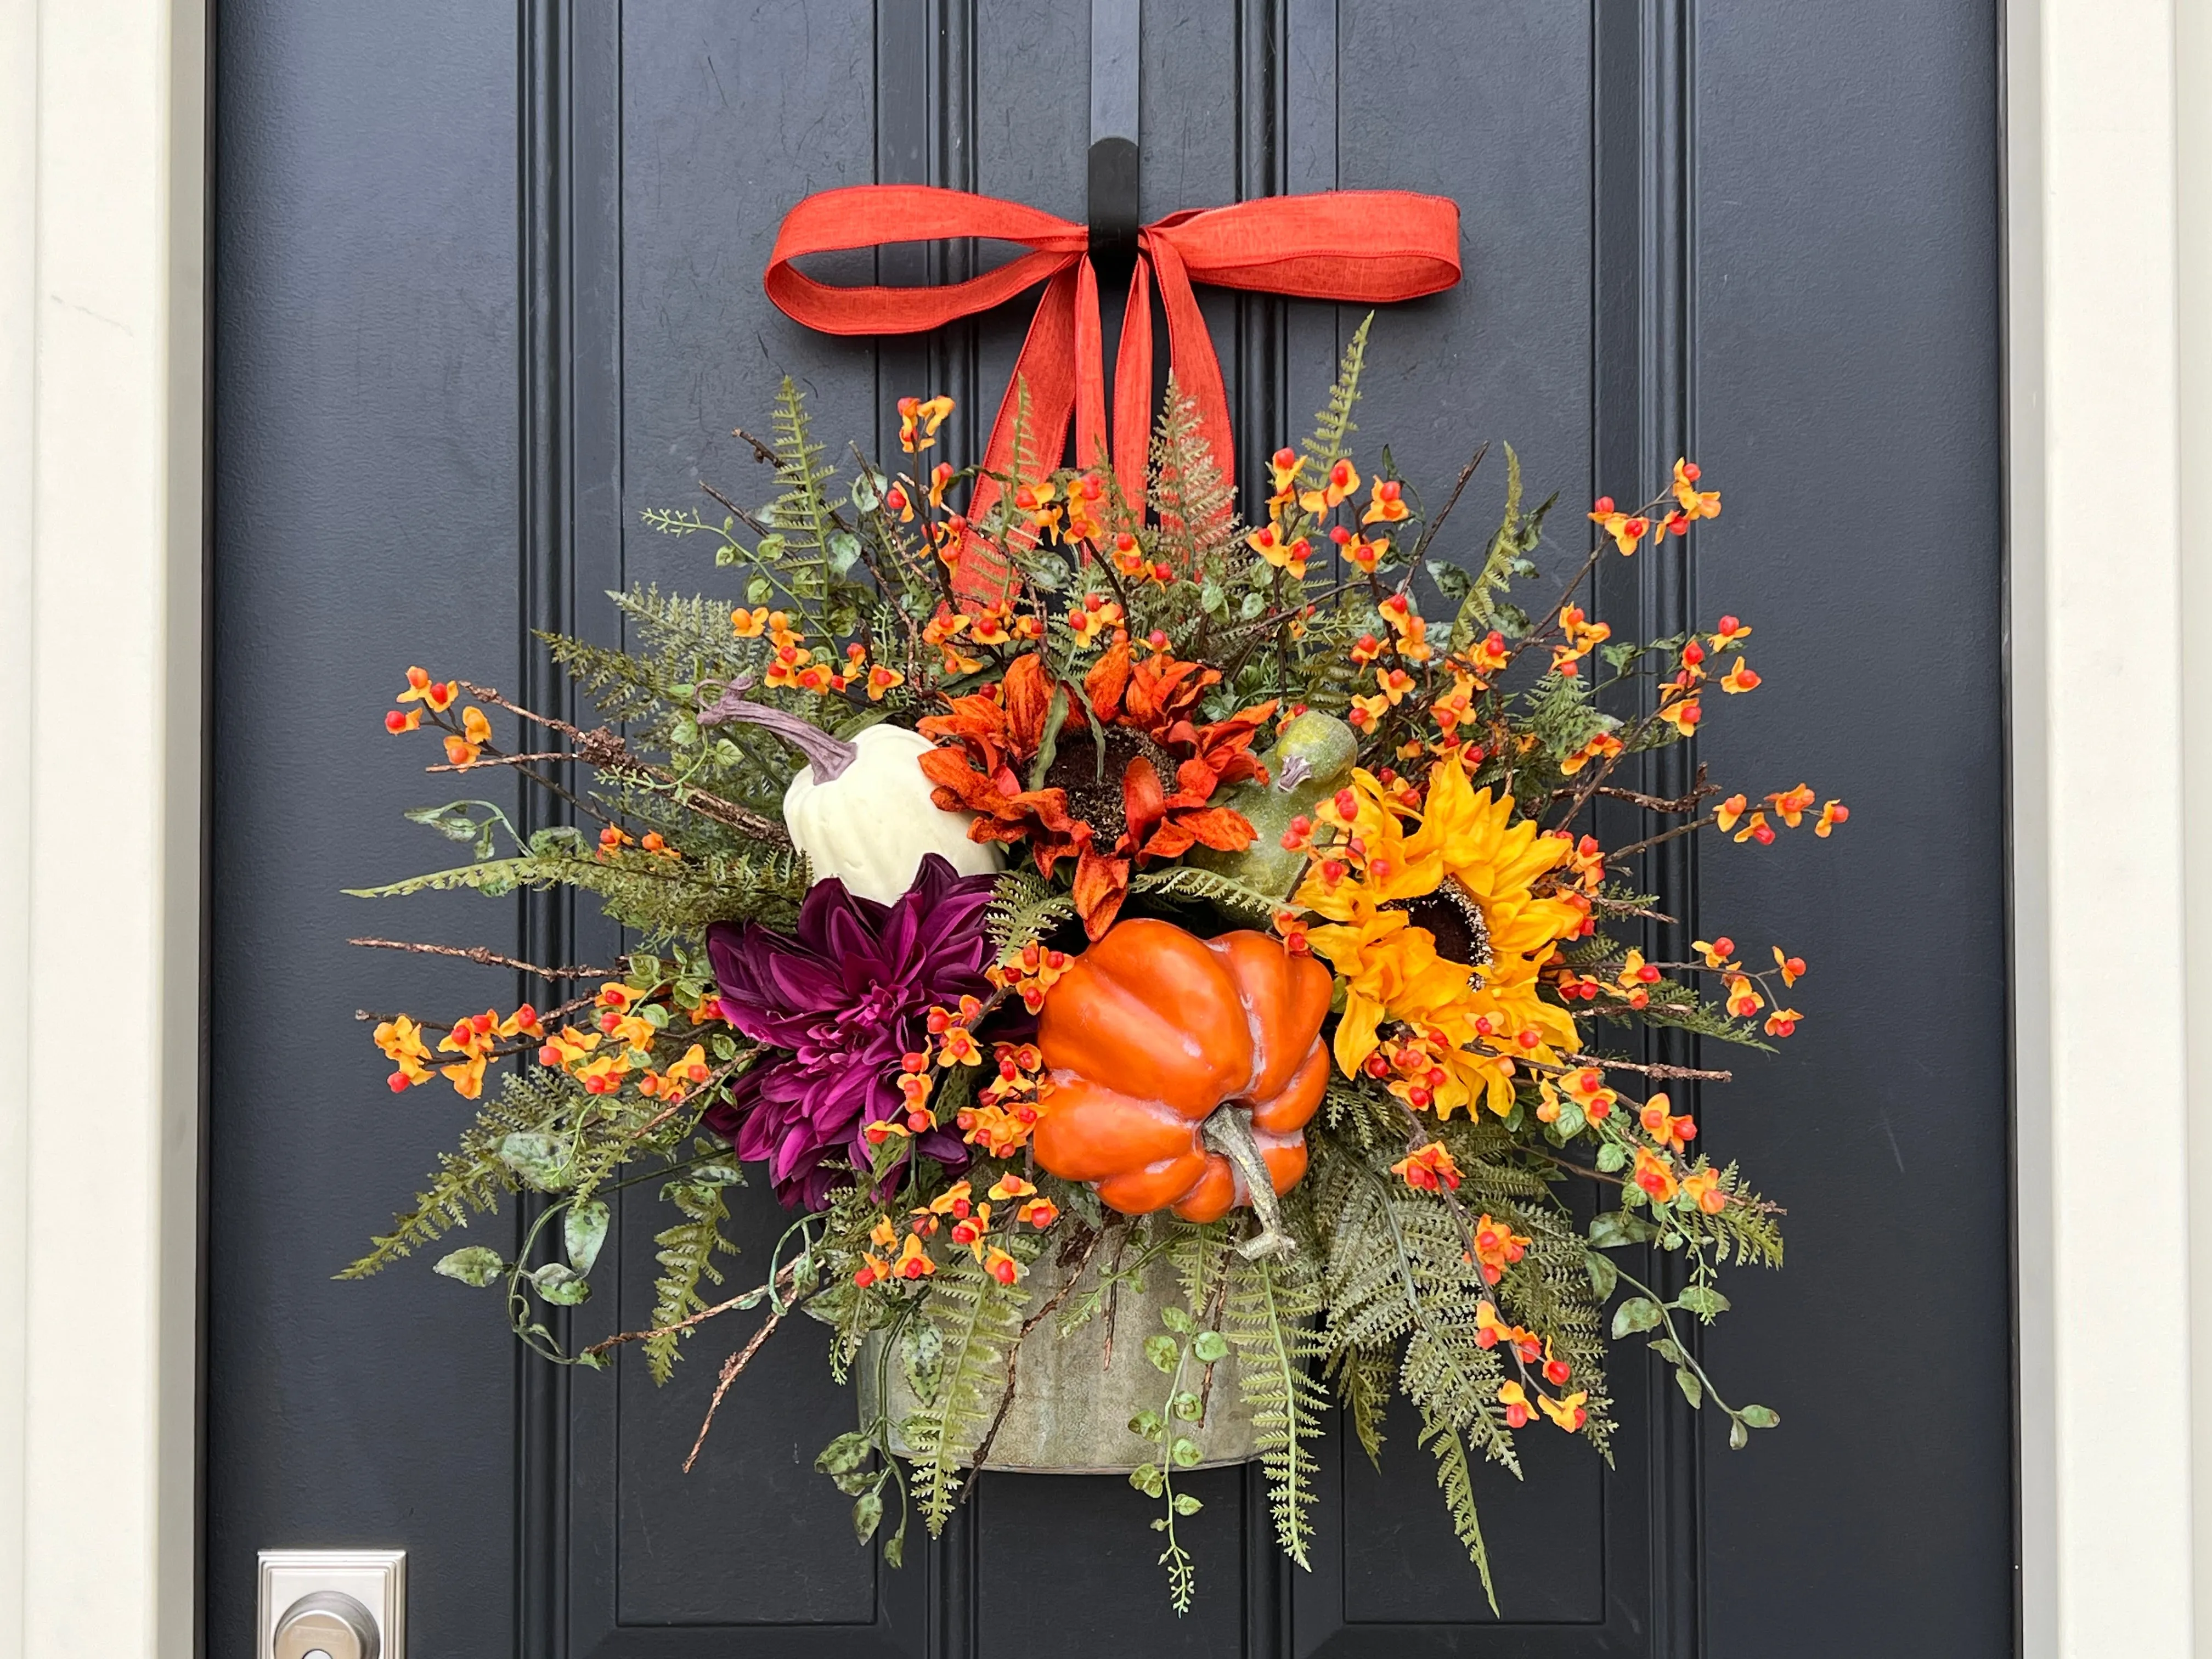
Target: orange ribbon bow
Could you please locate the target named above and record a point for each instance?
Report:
(1369, 247)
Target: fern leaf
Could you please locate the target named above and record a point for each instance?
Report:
(1332, 427)
(1187, 882)
(465, 1182)
(1023, 908)
(1362, 1378)
(1192, 495)
(801, 515)
(469, 1180)
(1269, 1321)
(658, 896)
(686, 1256)
(1506, 558)
(980, 1321)
(1457, 1481)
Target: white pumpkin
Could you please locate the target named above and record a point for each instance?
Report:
(870, 825)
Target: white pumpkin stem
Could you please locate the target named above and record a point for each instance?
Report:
(1228, 1132)
(827, 754)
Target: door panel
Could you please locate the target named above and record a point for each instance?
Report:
(1845, 267)
(365, 462)
(488, 284)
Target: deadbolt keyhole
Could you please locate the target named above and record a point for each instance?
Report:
(327, 1625)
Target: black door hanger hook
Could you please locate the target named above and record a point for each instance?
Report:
(1114, 154)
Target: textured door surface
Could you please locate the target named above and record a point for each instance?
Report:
(487, 283)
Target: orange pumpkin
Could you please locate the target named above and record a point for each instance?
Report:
(1148, 1034)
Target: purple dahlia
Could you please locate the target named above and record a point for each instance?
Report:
(845, 999)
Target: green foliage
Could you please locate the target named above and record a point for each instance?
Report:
(1271, 1308)
(1364, 1379)
(802, 513)
(1561, 717)
(1503, 562)
(1187, 884)
(1331, 441)
(978, 1321)
(1457, 1481)
(660, 898)
(1192, 494)
(686, 1254)
(1397, 1271)
(1365, 1121)
(469, 1180)
(1024, 908)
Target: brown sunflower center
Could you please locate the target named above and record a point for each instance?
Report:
(1454, 919)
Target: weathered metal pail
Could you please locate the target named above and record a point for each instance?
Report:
(1075, 1394)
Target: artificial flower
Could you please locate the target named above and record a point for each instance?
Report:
(840, 999)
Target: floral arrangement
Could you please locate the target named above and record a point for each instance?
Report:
(1069, 903)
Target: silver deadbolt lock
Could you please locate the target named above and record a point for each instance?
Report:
(332, 1604)
(327, 1625)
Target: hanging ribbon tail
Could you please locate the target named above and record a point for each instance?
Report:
(1372, 247)
(1027, 438)
(1133, 389)
(1197, 371)
(1090, 352)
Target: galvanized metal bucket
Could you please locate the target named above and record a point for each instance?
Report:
(1074, 1396)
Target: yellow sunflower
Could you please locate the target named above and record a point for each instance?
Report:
(1390, 970)
(1488, 1014)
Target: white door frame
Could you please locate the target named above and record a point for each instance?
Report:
(2109, 205)
(103, 161)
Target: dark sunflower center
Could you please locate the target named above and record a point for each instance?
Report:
(1455, 920)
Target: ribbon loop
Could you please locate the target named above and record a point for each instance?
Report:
(1371, 248)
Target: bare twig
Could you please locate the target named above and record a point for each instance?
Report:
(500, 760)
(1436, 524)
(544, 1015)
(478, 954)
(731, 1368)
(1683, 1071)
(1620, 854)
(605, 750)
(783, 1281)
(734, 510)
(1654, 803)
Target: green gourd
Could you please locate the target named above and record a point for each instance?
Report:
(1315, 753)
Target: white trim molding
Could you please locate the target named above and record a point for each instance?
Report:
(103, 159)
(2110, 292)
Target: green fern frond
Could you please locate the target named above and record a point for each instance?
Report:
(1351, 1110)
(1333, 426)
(1364, 1378)
(1457, 1481)
(686, 1256)
(1023, 908)
(1191, 493)
(1505, 559)
(980, 1321)
(1269, 1322)
(469, 1180)
(659, 897)
(1397, 1269)
(1187, 884)
(802, 513)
